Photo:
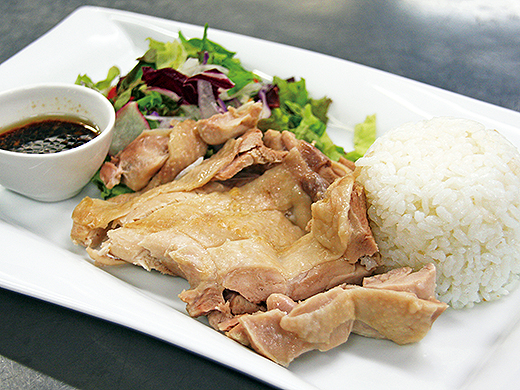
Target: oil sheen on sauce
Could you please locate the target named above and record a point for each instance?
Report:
(47, 134)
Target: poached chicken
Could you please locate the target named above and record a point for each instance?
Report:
(264, 229)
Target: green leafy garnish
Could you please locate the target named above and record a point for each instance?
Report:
(102, 85)
(106, 193)
(293, 109)
(218, 55)
(166, 54)
(155, 102)
(304, 116)
(364, 136)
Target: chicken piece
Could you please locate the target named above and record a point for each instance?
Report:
(315, 170)
(92, 217)
(362, 245)
(339, 236)
(273, 140)
(340, 220)
(219, 128)
(220, 224)
(240, 305)
(311, 182)
(138, 162)
(397, 315)
(315, 318)
(281, 302)
(251, 151)
(326, 320)
(250, 267)
(330, 223)
(263, 333)
(421, 283)
(322, 275)
(184, 147)
(157, 156)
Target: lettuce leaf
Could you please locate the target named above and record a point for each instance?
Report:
(154, 102)
(106, 193)
(313, 130)
(305, 117)
(167, 54)
(292, 91)
(364, 136)
(103, 85)
(197, 47)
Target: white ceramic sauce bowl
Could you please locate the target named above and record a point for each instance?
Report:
(54, 176)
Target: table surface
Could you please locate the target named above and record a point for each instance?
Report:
(467, 46)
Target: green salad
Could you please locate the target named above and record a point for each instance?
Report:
(197, 78)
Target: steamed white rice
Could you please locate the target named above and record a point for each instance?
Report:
(447, 190)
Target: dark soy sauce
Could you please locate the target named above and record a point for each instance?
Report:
(48, 134)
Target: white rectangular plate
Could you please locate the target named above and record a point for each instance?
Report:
(475, 348)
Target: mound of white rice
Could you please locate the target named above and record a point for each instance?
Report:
(447, 191)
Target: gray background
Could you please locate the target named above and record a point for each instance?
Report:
(471, 47)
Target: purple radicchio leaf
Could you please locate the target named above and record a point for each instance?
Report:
(270, 99)
(184, 86)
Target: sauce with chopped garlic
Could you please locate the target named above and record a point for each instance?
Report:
(47, 134)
